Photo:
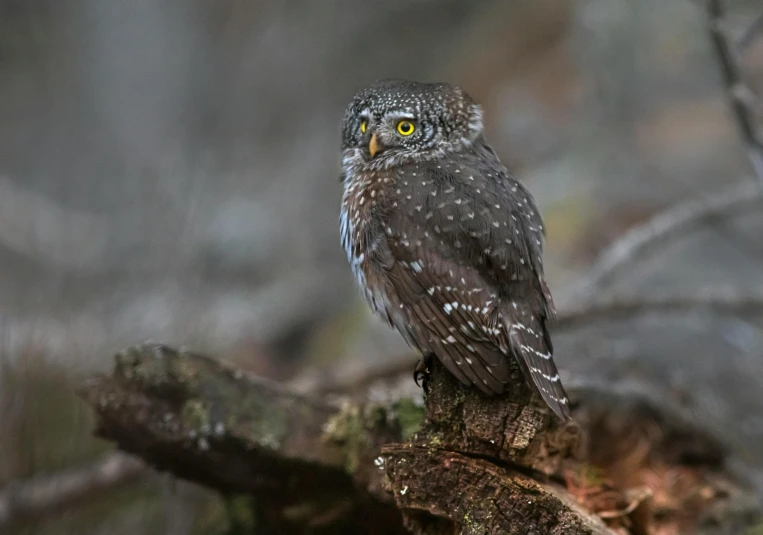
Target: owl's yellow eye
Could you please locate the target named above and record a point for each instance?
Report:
(363, 125)
(405, 128)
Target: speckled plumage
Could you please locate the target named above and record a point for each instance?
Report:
(446, 245)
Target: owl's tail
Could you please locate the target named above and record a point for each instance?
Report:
(531, 345)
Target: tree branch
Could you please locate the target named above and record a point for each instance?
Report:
(392, 369)
(40, 228)
(736, 85)
(678, 220)
(716, 300)
(751, 34)
(307, 460)
(727, 301)
(661, 229)
(44, 495)
(204, 422)
(188, 414)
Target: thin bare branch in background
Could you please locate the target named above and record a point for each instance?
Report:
(734, 79)
(335, 382)
(44, 495)
(725, 301)
(684, 218)
(41, 228)
(663, 228)
(752, 33)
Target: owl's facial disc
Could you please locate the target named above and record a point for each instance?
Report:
(392, 131)
(395, 122)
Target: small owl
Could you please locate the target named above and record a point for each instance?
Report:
(445, 244)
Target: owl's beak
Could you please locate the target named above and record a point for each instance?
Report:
(373, 146)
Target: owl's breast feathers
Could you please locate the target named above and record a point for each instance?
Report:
(449, 252)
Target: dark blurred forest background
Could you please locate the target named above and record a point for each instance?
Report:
(169, 171)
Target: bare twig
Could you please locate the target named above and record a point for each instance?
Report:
(44, 495)
(683, 218)
(335, 383)
(662, 228)
(35, 226)
(726, 301)
(735, 84)
(716, 300)
(752, 32)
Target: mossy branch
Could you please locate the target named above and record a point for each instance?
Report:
(190, 415)
(344, 467)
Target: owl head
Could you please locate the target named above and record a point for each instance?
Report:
(396, 122)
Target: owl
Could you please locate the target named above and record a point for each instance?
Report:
(444, 242)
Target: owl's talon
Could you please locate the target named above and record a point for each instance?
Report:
(416, 375)
(422, 376)
(421, 372)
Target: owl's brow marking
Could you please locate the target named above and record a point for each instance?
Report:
(401, 115)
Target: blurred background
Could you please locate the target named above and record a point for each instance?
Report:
(169, 171)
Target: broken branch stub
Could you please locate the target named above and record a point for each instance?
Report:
(515, 427)
(481, 464)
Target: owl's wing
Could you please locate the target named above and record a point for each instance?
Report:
(470, 238)
(441, 303)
